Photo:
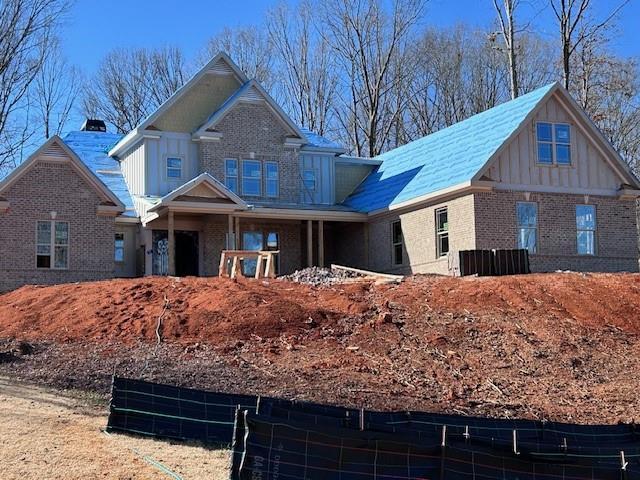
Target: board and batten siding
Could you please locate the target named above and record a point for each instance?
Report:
(322, 165)
(517, 163)
(157, 150)
(133, 169)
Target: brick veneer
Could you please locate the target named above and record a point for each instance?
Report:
(418, 228)
(44, 188)
(253, 127)
(616, 233)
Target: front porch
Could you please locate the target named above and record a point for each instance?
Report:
(185, 232)
(189, 244)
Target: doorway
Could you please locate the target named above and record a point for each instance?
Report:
(187, 248)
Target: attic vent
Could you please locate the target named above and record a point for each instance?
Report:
(54, 150)
(93, 125)
(221, 68)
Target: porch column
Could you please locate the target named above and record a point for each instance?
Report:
(321, 243)
(238, 245)
(231, 241)
(171, 245)
(309, 243)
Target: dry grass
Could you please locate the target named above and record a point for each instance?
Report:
(47, 434)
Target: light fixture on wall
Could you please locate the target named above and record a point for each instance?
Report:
(527, 196)
(53, 215)
(586, 199)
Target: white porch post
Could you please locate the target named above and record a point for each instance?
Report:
(147, 241)
(309, 243)
(171, 253)
(238, 245)
(321, 243)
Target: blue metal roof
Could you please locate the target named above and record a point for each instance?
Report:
(92, 148)
(443, 159)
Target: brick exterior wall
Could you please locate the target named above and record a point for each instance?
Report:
(289, 235)
(44, 188)
(419, 232)
(616, 230)
(253, 127)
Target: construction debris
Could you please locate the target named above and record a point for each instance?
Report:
(338, 274)
(320, 277)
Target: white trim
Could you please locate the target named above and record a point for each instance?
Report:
(122, 144)
(212, 182)
(52, 245)
(441, 233)
(356, 161)
(549, 189)
(165, 172)
(127, 220)
(302, 214)
(71, 158)
(108, 210)
(460, 189)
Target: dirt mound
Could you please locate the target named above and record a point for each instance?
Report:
(199, 309)
(562, 346)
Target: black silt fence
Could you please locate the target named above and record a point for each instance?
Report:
(165, 411)
(278, 449)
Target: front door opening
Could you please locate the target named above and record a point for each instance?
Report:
(186, 248)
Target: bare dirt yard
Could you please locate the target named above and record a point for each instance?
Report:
(48, 434)
(559, 346)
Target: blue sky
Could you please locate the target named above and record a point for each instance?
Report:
(94, 28)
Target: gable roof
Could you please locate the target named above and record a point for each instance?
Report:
(206, 179)
(55, 149)
(91, 148)
(250, 91)
(221, 62)
(452, 157)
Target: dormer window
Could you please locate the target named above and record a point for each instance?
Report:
(554, 143)
(174, 167)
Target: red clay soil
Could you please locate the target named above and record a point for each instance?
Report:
(562, 346)
(199, 309)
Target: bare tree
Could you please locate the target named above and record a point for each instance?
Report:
(507, 23)
(577, 27)
(304, 71)
(57, 87)
(131, 84)
(26, 30)
(365, 38)
(250, 48)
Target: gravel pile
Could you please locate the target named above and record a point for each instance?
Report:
(319, 277)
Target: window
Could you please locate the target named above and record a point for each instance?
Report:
(397, 241)
(554, 143)
(442, 232)
(119, 247)
(586, 228)
(52, 245)
(251, 177)
(272, 180)
(231, 174)
(309, 179)
(527, 213)
(174, 167)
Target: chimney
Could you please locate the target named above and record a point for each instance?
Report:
(93, 125)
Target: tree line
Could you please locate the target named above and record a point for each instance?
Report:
(371, 74)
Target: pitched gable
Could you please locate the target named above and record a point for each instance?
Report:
(251, 92)
(55, 150)
(594, 167)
